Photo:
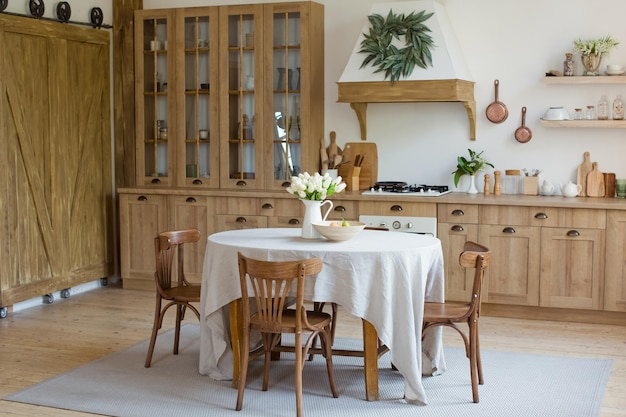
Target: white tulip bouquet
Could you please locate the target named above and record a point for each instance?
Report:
(315, 187)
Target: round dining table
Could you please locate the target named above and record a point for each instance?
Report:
(382, 277)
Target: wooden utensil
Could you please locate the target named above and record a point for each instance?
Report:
(496, 112)
(522, 133)
(595, 182)
(581, 173)
(609, 184)
(332, 148)
(369, 167)
(323, 155)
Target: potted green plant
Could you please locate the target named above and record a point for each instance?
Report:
(471, 166)
(592, 50)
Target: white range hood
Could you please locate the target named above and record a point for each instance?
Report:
(447, 80)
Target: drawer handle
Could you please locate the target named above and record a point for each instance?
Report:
(142, 198)
(541, 216)
(241, 183)
(573, 233)
(156, 181)
(190, 200)
(197, 182)
(294, 221)
(457, 228)
(508, 230)
(241, 220)
(267, 206)
(396, 207)
(285, 184)
(340, 208)
(458, 212)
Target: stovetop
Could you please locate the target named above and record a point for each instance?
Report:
(397, 187)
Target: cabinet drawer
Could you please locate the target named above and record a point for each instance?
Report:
(382, 208)
(261, 206)
(284, 221)
(240, 221)
(457, 213)
(543, 216)
(347, 210)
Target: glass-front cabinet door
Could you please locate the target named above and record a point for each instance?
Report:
(197, 98)
(295, 89)
(241, 81)
(155, 105)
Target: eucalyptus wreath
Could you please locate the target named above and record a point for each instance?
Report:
(398, 62)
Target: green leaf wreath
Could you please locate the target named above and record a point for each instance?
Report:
(398, 62)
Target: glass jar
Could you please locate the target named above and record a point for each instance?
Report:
(164, 133)
(578, 114)
(603, 108)
(512, 181)
(590, 113)
(618, 108)
(568, 65)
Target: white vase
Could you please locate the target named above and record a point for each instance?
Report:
(313, 214)
(472, 187)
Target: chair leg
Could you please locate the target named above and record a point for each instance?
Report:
(479, 363)
(473, 361)
(179, 314)
(243, 368)
(155, 331)
(329, 362)
(299, 364)
(268, 340)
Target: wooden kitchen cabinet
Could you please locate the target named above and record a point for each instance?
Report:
(246, 213)
(456, 224)
(615, 267)
(385, 208)
(142, 217)
(572, 268)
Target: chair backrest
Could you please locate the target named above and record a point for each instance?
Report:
(475, 256)
(271, 283)
(168, 246)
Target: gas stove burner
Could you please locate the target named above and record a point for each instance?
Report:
(403, 187)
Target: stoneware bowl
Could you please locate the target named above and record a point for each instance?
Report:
(333, 230)
(556, 113)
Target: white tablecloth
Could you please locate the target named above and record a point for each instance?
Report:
(382, 277)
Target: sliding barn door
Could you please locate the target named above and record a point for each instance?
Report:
(55, 163)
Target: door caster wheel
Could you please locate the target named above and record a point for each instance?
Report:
(65, 293)
(48, 299)
(104, 282)
(3, 313)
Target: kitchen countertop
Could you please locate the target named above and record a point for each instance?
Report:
(605, 203)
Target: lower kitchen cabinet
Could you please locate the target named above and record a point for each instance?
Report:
(456, 224)
(143, 216)
(615, 267)
(572, 268)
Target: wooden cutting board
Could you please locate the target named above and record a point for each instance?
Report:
(369, 168)
(581, 174)
(595, 182)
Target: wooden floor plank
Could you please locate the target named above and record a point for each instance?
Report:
(46, 340)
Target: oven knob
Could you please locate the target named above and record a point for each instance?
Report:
(383, 224)
(409, 225)
(396, 225)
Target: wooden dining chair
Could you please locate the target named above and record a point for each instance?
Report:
(271, 283)
(450, 313)
(171, 284)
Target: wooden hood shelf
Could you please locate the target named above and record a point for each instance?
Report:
(358, 94)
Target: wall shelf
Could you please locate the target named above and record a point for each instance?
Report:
(603, 124)
(589, 79)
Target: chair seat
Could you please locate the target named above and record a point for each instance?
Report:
(442, 312)
(317, 320)
(189, 293)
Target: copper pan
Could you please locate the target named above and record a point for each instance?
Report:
(497, 112)
(522, 133)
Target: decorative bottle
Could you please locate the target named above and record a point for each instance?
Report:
(618, 108)
(603, 108)
(568, 65)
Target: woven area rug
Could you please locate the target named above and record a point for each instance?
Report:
(516, 384)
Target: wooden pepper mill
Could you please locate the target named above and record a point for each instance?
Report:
(496, 185)
(487, 184)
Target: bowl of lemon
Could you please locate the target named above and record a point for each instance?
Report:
(339, 230)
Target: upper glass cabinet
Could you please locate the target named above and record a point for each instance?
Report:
(154, 114)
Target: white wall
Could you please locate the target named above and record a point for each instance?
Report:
(513, 41)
